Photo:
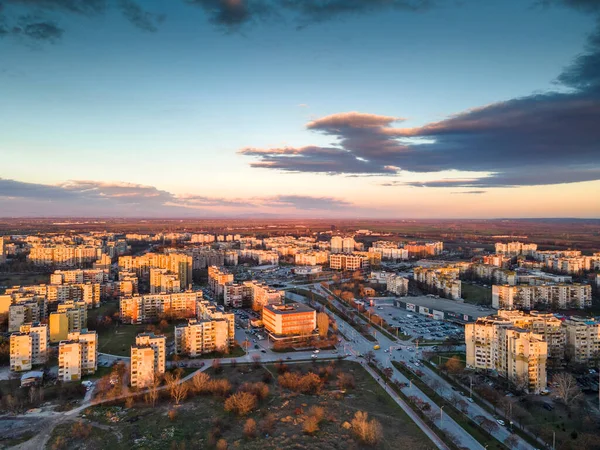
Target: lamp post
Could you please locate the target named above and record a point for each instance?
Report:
(441, 415)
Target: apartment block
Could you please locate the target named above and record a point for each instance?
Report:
(290, 319)
(76, 313)
(498, 260)
(64, 255)
(311, 258)
(217, 279)
(558, 296)
(176, 263)
(21, 348)
(148, 357)
(582, 339)
(78, 355)
(397, 284)
(201, 336)
(151, 308)
(27, 311)
(515, 249)
(420, 250)
(2, 250)
(164, 282)
(440, 279)
(341, 261)
(494, 343)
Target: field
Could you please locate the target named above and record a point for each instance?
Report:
(478, 295)
(200, 421)
(17, 279)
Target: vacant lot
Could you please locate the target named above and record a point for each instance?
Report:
(201, 421)
(477, 295)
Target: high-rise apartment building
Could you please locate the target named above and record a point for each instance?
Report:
(217, 279)
(337, 244)
(494, 343)
(558, 296)
(516, 249)
(2, 250)
(163, 282)
(78, 355)
(582, 340)
(148, 357)
(201, 336)
(151, 308)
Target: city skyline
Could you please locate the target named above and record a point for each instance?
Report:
(222, 108)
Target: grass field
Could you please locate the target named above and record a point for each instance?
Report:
(19, 279)
(118, 339)
(200, 421)
(478, 295)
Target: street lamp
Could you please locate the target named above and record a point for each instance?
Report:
(441, 415)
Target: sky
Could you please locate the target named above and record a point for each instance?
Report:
(300, 108)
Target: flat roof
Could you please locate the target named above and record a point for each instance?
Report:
(443, 304)
(289, 308)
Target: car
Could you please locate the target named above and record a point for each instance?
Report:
(289, 357)
(263, 351)
(256, 346)
(548, 406)
(470, 400)
(500, 422)
(317, 351)
(313, 356)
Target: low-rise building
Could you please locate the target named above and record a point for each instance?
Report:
(290, 319)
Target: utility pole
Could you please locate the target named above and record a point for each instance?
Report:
(441, 416)
(554, 440)
(471, 389)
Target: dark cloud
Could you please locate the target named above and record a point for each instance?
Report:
(540, 139)
(234, 13)
(471, 192)
(322, 10)
(142, 19)
(41, 25)
(127, 199)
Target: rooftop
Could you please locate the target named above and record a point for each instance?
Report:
(289, 308)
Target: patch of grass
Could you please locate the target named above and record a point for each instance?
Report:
(477, 295)
(201, 420)
(118, 339)
(11, 442)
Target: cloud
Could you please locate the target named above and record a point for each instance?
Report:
(541, 139)
(94, 198)
(470, 192)
(142, 19)
(307, 202)
(232, 14)
(39, 22)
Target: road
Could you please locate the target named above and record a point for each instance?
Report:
(405, 351)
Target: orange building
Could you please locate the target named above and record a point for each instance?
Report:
(289, 320)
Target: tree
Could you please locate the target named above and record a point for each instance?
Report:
(369, 356)
(512, 442)
(200, 382)
(256, 360)
(241, 403)
(566, 388)
(367, 431)
(388, 372)
(454, 365)
(345, 381)
(216, 365)
(177, 388)
(489, 425)
(323, 324)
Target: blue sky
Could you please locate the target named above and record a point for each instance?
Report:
(171, 109)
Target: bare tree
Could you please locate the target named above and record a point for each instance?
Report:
(566, 388)
(512, 442)
(256, 360)
(177, 388)
(200, 382)
(368, 431)
(369, 356)
(489, 425)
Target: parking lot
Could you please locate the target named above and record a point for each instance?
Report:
(418, 325)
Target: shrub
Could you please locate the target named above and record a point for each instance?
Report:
(311, 425)
(250, 428)
(345, 381)
(261, 390)
(310, 384)
(241, 403)
(288, 380)
(318, 412)
(220, 387)
(367, 431)
(267, 425)
(172, 414)
(200, 382)
(221, 444)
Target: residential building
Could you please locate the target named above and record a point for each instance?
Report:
(201, 336)
(558, 296)
(494, 343)
(78, 355)
(442, 280)
(420, 250)
(217, 279)
(164, 282)
(21, 352)
(498, 260)
(153, 307)
(148, 358)
(397, 285)
(27, 311)
(59, 327)
(582, 340)
(76, 313)
(2, 250)
(516, 249)
(348, 244)
(337, 244)
(342, 261)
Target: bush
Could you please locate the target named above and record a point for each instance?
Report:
(172, 414)
(318, 412)
(288, 380)
(221, 444)
(241, 403)
(345, 381)
(220, 387)
(311, 425)
(367, 431)
(250, 428)
(310, 384)
(261, 390)
(267, 425)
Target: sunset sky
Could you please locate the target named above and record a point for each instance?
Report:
(307, 108)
